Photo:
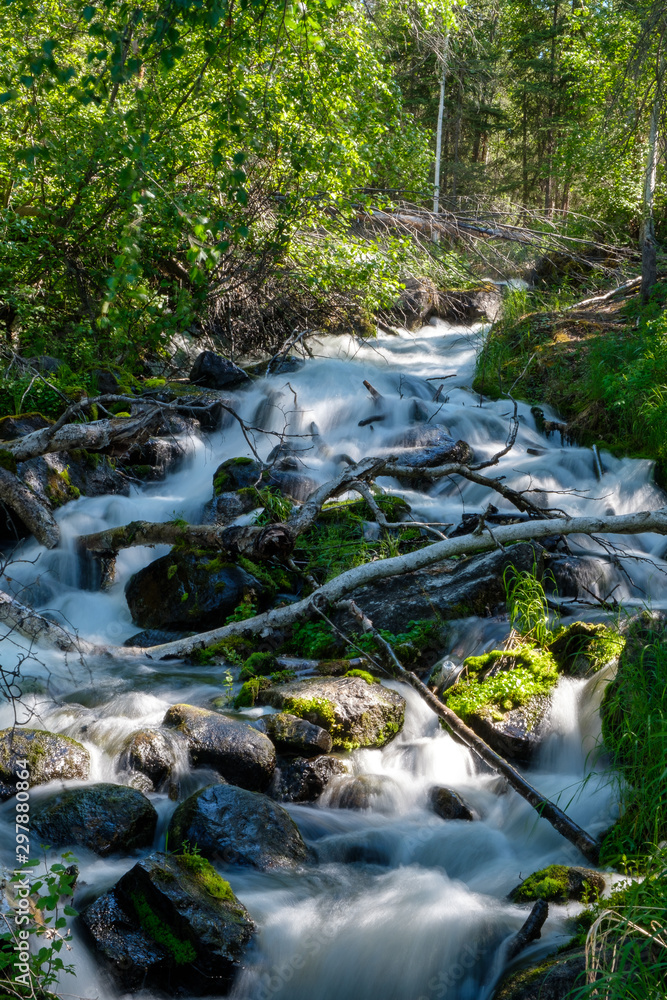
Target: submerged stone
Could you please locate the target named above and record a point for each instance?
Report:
(366, 791)
(353, 712)
(553, 979)
(173, 923)
(238, 827)
(236, 750)
(105, 818)
(49, 756)
(448, 804)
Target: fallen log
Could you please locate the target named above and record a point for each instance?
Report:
(530, 931)
(20, 618)
(257, 542)
(35, 515)
(359, 576)
(546, 809)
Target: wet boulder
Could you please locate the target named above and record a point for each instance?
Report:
(238, 827)
(105, 818)
(187, 590)
(236, 474)
(171, 923)
(49, 756)
(150, 752)
(558, 884)
(471, 305)
(304, 779)
(151, 460)
(213, 371)
(426, 447)
(354, 712)
(448, 804)
(155, 637)
(504, 697)
(292, 735)
(418, 301)
(237, 751)
(468, 587)
(365, 791)
(554, 979)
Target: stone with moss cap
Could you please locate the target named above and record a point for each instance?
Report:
(240, 827)
(50, 756)
(503, 696)
(354, 713)
(236, 750)
(173, 923)
(558, 883)
(552, 979)
(189, 590)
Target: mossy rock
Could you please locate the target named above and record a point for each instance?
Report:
(583, 648)
(558, 884)
(235, 474)
(172, 923)
(241, 827)
(553, 979)
(292, 735)
(503, 696)
(49, 756)
(354, 713)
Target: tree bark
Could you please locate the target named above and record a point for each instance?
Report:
(647, 240)
(359, 576)
(35, 515)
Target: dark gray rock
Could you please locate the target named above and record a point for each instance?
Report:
(291, 735)
(45, 364)
(227, 506)
(518, 734)
(49, 756)
(105, 818)
(418, 301)
(366, 791)
(236, 750)
(236, 474)
(152, 459)
(354, 713)
(185, 590)
(173, 923)
(301, 779)
(151, 752)
(448, 804)
(474, 587)
(238, 827)
(551, 980)
(425, 447)
(471, 305)
(154, 637)
(215, 372)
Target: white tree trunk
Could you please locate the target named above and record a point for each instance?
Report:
(647, 242)
(438, 138)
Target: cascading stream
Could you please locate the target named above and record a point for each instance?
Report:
(397, 904)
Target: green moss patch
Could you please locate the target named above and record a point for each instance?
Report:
(582, 648)
(258, 663)
(181, 950)
(206, 876)
(500, 681)
(364, 674)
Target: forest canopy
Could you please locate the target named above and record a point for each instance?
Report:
(185, 165)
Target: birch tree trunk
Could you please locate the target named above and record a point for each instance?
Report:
(647, 241)
(438, 138)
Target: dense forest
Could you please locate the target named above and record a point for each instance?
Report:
(333, 450)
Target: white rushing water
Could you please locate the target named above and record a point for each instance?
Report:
(397, 904)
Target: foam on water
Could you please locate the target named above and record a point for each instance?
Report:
(398, 904)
